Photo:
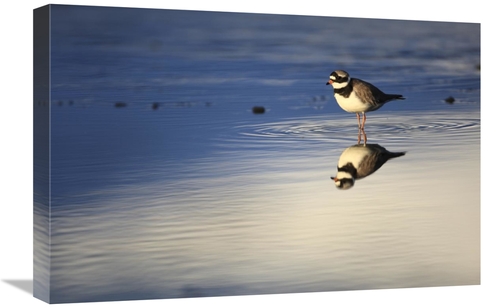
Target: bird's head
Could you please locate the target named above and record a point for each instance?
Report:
(343, 183)
(339, 79)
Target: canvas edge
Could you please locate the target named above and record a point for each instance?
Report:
(41, 153)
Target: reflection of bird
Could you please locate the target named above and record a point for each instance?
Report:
(358, 96)
(359, 161)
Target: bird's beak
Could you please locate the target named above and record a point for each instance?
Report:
(329, 82)
(334, 179)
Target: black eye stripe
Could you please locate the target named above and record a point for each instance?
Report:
(339, 79)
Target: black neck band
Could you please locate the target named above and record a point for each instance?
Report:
(345, 91)
(349, 168)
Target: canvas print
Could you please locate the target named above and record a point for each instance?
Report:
(199, 154)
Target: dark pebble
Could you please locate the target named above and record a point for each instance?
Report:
(120, 104)
(450, 100)
(258, 109)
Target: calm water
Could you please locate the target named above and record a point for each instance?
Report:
(201, 197)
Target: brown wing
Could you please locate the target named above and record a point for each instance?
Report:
(368, 92)
(368, 165)
(377, 158)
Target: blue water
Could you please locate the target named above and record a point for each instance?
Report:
(202, 197)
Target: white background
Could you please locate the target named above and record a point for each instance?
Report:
(16, 152)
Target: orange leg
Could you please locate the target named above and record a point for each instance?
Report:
(359, 136)
(364, 120)
(359, 121)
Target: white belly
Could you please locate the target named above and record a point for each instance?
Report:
(353, 155)
(351, 103)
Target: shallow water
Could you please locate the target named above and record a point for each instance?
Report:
(201, 197)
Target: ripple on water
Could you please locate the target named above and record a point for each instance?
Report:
(442, 127)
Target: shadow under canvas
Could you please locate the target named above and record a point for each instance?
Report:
(22, 284)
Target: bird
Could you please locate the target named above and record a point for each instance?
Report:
(358, 96)
(359, 161)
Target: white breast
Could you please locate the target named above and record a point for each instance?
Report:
(351, 103)
(353, 155)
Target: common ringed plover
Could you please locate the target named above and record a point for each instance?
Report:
(359, 161)
(358, 96)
